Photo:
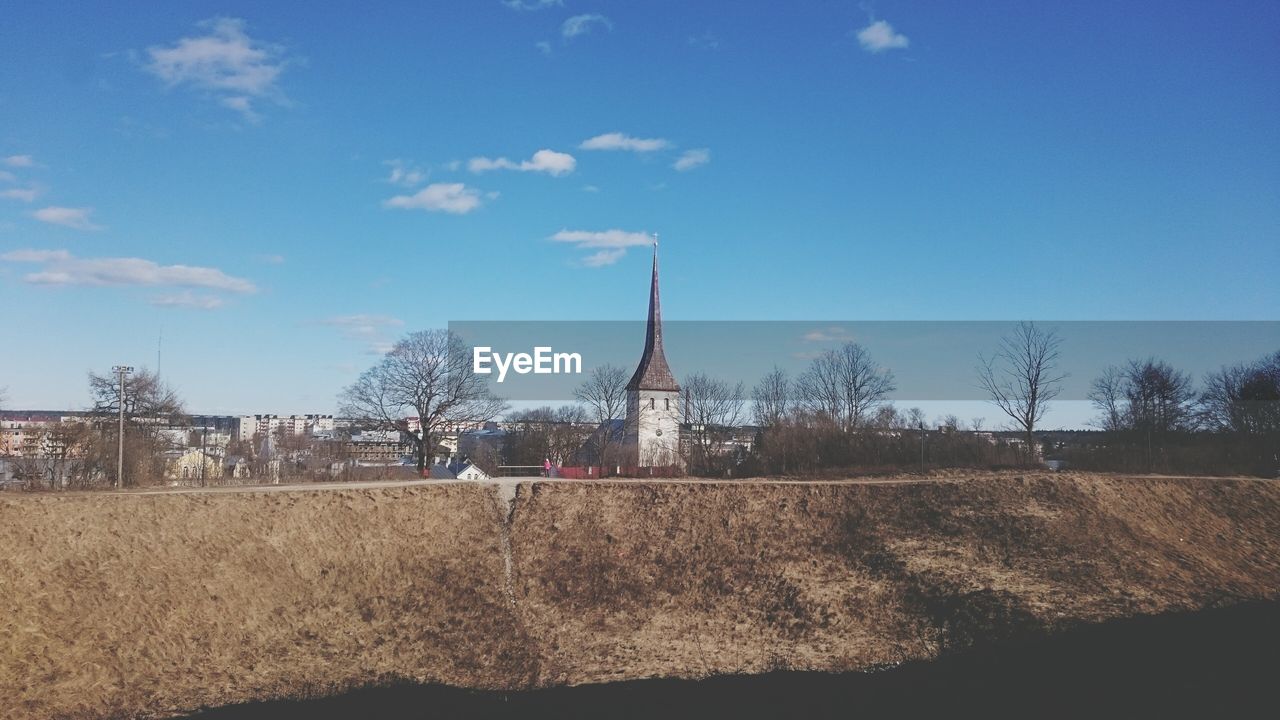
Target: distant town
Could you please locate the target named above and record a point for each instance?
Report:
(423, 410)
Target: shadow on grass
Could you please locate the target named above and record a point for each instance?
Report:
(1212, 663)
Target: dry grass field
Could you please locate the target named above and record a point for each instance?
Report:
(124, 605)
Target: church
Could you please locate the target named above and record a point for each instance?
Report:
(653, 395)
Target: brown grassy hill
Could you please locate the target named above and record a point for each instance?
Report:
(128, 604)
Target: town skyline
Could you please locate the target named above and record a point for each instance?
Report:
(281, 198)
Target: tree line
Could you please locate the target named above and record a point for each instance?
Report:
(835, 416)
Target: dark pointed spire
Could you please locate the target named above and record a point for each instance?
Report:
(653, 373)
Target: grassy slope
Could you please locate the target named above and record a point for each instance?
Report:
(116, 604)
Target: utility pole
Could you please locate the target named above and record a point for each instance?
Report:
(204, 456)
(122, 370)
(922, 447)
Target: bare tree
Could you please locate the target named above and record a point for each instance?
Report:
(545, 433)
(1243, 398)
(1022, 377)
(771, 398)
(1107, 395)
(427, 374)
(147, 398)
(949, 422)
(845, 385)
(1158, 397)
(604, 393)
(888, 417)
(713, 410)
(150, 406)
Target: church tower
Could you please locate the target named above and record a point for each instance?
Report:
(653, 396)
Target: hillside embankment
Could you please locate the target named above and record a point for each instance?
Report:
(120, 605)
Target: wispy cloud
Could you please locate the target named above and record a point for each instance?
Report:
(880, 36)
(583, 25)
(35, 256)
(619, 141)
(187, 300)
(27, 194)
(705, 41)
(270, 259)
(604, 257)
(547, 161)
(691, 159)
(454, 198)
(830, 334)
(19, 161)
(243, 105)
(6, 176)
(367, 328)
(543, 46)
(62, 268)
(226, 62)
(405, 174)
(361, 325)
(610, 245)
(77, 218)
(532, 4)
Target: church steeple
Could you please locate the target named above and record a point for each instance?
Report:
(653, 373)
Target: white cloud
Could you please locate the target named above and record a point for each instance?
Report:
(241, 104)
(692, 159)
(27, 194)
(831, 334)
(77, 218)
(604, 257)
(371, 329)
(225, 61)
(582, 25)
(532, 4)
(611, 245)
(270, 259)
(19, 161)
(62, 268)
(547, 161)
(6, 176)
(404, 174)
(35, 256)
(706, 41)
(543, 46)
(880, 36)
(362, 325)
(619, 141)
(187, 299)
(455, 198)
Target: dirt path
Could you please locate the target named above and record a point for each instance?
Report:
(512, 481)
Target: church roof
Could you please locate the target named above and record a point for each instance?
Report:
(653, 373)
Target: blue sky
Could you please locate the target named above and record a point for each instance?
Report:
(283, 188)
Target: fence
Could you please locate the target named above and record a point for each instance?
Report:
(593, 472)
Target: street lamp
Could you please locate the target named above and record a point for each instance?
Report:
(122, 371)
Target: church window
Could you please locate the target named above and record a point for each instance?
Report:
(650, 403)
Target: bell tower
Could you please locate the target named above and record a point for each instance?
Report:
(653, 395)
